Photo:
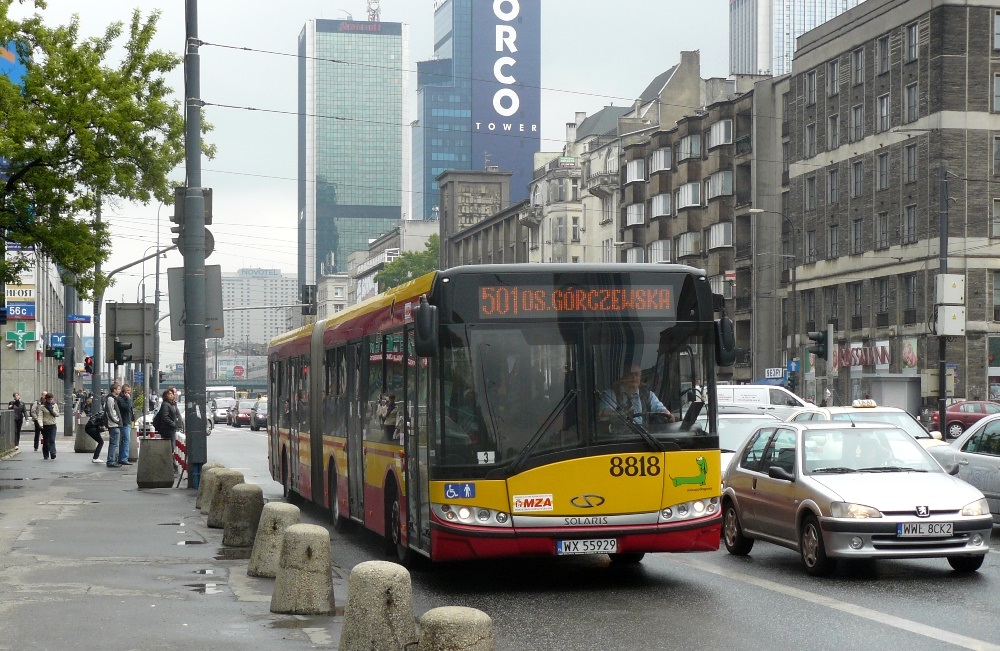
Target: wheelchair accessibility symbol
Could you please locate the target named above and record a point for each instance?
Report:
(459, 491)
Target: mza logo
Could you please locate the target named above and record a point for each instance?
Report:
(526, 503)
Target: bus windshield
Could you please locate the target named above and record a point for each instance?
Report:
(518, 391)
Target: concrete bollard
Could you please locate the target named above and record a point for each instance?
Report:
(83, 442)
(156, 467)
(379, 610)
(207, 487)
(456, 628)
(304, 584)
(199, 502)
(246, 501)
(225, 479)
(274, 519)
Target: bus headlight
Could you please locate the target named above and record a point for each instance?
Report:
(690, 510)
(472, 515)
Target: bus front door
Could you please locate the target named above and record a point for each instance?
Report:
(417, 489)
(355, 437)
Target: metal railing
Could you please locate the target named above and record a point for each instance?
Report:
(744, 145)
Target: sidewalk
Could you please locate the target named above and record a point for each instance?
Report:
(89, 561)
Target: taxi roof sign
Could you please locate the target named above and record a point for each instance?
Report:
(866, 403)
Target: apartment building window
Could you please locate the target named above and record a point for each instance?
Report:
(910, 292)
(882, 291)
(634, 255)
(882, 230)
(832, 304)
(720, 133)
(659, 251)
(611, 162)
(857, 123)
(688, 244)
(910, 42)
(635, 214)
(661, 205)
(810, 192)
(996, 93)
(996, 295)
(575, 229)
(784, 156)
(608, 250)
(883, 114)
(995, 221)
(832, 185)
(833, 132)
(882, 54)
(857, 294)
(810, 87)
(810, 252)
(857, 237)
(688, 195)
(910, 224)
(996, 31)
(607, 210)
(910, 164)
(689, 147)
(559, 230)
(858, 66)
(721, 286)
(719, 184)
(660, 160)
(833, 242)
(635, 170)
(996, 156)
(810, 140)
(910, 103)
(857, 178)
(882, 172)
(833, 78)
(720, 235)
(809, 298)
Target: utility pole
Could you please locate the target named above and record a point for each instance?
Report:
(942, 339)
(194, 256)
(95, 377)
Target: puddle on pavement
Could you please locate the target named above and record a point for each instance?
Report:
(204, 571)
(171, 524)
(191, 542)
(20, 479)
(204, 588)
(233, 554)
(338, 611)
(10, 488)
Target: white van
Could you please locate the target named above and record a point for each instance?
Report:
(777, 400)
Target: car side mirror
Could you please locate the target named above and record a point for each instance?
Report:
(936, 434)
(777, 472)
(425, 326)
(951, 468)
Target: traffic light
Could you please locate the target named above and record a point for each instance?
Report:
(161, 377)
(88, 364)
(792, 382)
(309, 300)
(120, 356)
(819, 345)
(62, 371)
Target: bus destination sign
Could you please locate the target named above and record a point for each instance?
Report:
(514, 302)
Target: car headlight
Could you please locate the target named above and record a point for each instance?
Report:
(851, 510)
(979, 507)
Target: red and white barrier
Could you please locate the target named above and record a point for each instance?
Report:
(180, 451)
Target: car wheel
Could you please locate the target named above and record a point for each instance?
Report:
(236, 423)
(966, 563)
(955, 430)
(626, 558)
(813, 550)
(732, 532)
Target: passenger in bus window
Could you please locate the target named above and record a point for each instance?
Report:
(286, 414)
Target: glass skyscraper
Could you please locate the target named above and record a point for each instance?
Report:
(478, 99)
(352, 94)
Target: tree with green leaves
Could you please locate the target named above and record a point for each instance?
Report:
(410, 265)
(80, 130)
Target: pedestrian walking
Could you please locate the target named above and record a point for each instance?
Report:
(20, 411)
(114, 417)
(95, 425)
(36, 418)
(50, 415)
(127, 409)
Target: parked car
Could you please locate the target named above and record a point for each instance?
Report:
(778, 400)
(258, 415)
(240, 414)
(869, 411)
(977, 454)
(220, 407)
(962, 415)
(831, 490)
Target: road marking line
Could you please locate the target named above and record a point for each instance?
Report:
(846, 607)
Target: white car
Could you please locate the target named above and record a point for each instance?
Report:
(868, 411)
(977, 454)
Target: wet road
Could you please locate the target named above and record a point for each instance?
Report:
(708, 601)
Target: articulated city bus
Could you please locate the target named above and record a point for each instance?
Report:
(479, 412)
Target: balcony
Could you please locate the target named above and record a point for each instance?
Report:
(743, 199)
(531, 216)
(744, 304)
(744, 145)
(603, 184)
(744, 251)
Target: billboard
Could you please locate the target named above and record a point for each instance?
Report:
(11, 65)
(506, 93)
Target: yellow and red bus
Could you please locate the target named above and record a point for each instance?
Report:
(503, 435)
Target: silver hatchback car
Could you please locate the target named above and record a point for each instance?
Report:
(834, 490)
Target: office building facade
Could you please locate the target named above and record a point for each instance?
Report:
(257, 288)
(352, 174)
(478, 99)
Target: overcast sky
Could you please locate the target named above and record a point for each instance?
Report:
(594, 53)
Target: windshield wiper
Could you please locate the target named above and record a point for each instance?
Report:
(890, 469)
(629, 420)
(515, 465)
(833, 470)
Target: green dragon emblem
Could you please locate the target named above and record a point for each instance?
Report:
(698, 479)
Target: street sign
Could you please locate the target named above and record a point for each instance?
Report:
(57, 340)
(774, 373)
(21, 311)
(137, 377)
(215, 326)
(793, 366)
(77, 318)
(238, 371)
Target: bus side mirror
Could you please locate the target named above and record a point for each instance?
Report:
(425, 328)
(725, 342)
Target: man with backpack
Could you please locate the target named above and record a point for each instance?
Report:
(95, 425)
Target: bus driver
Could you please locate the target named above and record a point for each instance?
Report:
(628, 396)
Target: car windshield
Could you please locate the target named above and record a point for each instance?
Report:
(224, 403)
(247, 404)
(858, 449)
(733, 430)
(900, 419)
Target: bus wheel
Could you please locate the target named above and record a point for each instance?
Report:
(629, 558)
(338, 521)
(394, 527)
